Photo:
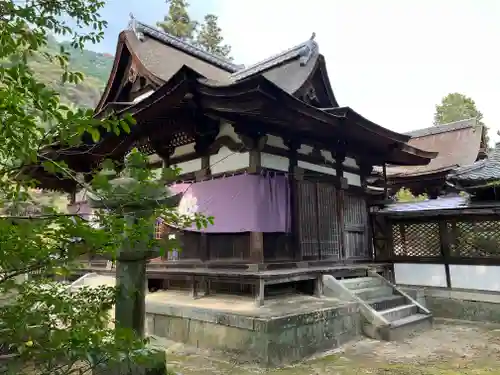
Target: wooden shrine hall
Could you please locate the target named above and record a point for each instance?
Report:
(266, 149)
(458, 144)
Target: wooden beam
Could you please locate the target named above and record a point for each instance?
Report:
(206, 133)
(257, 247)
(293, 146)
(384, 174)
(339, 162)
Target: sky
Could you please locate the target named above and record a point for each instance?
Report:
(391, 61)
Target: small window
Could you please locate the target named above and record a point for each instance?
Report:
(159, 229)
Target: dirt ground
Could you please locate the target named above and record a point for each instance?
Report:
(450, 348)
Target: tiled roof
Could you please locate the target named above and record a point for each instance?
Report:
(484, 170)
(429, 204)
(141, 28)
(304, 51)
(287, 69)
(444, 128)
(457, 144)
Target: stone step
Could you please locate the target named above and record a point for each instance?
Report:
(362, 282)
(399, 312)
(374, 292)
(386, 302)
(407, 327)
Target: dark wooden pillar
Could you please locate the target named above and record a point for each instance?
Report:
(444, 236)
(340, 156)
(293, 173)
(365, 169)
(202, 148)
(254, 142)
(384, 173)
(207, 131)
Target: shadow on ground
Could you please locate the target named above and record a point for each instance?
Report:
(448, 349)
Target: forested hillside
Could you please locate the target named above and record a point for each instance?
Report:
(95, 66)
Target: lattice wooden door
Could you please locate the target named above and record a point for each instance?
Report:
(357, 244)
(307, 217)
(328, 221)
(318, 220)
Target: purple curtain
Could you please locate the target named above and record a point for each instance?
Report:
(242, 203)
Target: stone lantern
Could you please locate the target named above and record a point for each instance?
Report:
(134, 200)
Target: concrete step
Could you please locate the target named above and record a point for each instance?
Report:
(407, 327)
(374, 292)
(399, 312)
(386, 302)
(362, 282)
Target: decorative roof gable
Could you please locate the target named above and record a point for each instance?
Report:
(141, 29)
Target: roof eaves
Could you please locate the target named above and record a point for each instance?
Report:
(428, 172)
(367, 124)
(139, 27)
(104, 95)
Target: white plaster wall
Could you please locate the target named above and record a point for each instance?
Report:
(316, 168)
(475, 277)
(275, 141)
(275, 162)
(305, 149)
(420, 274)
(227, 130)
(183, 150)
(327, 155)
(350, 162)
(189, 166)
(353, 179)
(228, 161)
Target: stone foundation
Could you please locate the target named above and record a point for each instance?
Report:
(459, 304)
(286, 331)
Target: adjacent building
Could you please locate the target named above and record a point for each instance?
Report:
(458, 144)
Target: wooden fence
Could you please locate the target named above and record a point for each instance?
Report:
(453, 238)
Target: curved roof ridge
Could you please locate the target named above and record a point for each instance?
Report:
(304, 50)
(443, 128)
(142, 28)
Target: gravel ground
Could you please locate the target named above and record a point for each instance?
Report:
(450, 348)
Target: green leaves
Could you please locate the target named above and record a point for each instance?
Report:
(405, 195)
(456, 107)
(47, 324)
(206, 35)
(49, 166)
(96, 136)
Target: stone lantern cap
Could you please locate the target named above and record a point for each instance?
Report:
(129, 195)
